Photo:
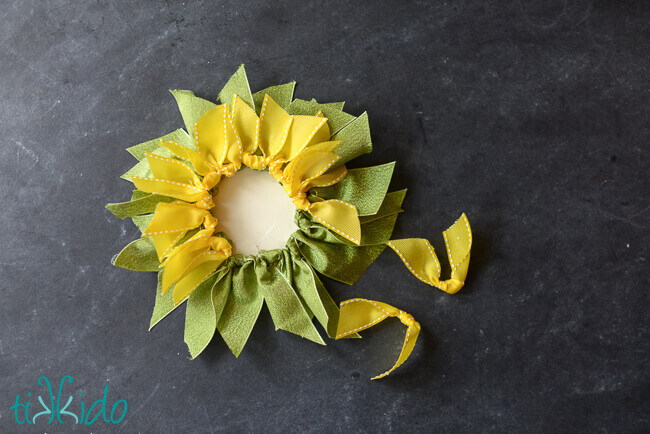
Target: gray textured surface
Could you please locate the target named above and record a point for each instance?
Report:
(530, 116)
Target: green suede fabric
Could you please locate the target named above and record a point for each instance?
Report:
(282, 94)
(242, 308)
(204, 307)
(392, 204)
(191, 107)
(179, 136)
(145, 205)
(356, 140)
(336, 118)
(163, 305)
(142, 221)
(315, 296)
(364, 188)
(237, 84)
(139, 255)
(284, 305)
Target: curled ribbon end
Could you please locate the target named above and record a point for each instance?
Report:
(451, 286)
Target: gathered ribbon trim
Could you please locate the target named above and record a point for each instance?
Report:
(358, 314)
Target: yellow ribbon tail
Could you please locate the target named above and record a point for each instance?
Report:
(419, 257)
(338, 216)
(358, 314)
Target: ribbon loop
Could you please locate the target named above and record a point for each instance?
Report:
(358, 314)
(419, 257)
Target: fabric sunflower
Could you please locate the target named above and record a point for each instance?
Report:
(345, 219)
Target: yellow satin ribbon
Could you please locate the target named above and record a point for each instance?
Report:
(359, 314)
(419, 257)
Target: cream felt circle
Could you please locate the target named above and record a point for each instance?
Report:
(254, 211)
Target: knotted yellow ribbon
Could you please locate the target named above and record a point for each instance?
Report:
(419, 257)
(295, 149)
(359, 314)
(189, 263)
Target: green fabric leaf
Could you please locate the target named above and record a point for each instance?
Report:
(164, 304)
(242, 308)
(140, 169)
(392, 204)
(336, 118)
(364, 188)
(284, 305)
(237, 84)
(356, 140)
(137, 194)
(139, 255)
(191, 107)
(378, 231)
(340, 262)
(179, 136)
(281, 94)
(315, 296)
(204, 307)
(142, 221)
(135, 207)
(334, 105)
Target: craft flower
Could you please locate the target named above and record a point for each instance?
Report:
(345, 219)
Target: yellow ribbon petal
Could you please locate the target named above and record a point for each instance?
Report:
(359, 314)
(200, 165)
(419, 257)
(308, 166)
(338, 216)
(178, 261)
(199, 269)
(171, 169)
(329, 178)
(211, 135)
(247, 124)
(164, 187)
(171, 221)
(274, 127)
(301, 134)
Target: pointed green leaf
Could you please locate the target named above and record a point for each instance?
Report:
(341, 262)
(145, 205)
(164, 304)
(142, 221)
(204, 308)
(191, 107)
(364, 188)
(179, 136)
(284, 305)
(237, 84)
(356, 139)
(315, 296)
(336, 119)
(139, 255)
(242, 308)
(392, 204)
(282, 94)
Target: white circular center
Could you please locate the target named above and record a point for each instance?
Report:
(254, 211)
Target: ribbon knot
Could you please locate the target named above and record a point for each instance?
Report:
(300, 201)
(451, 286)
(253, 161)
(210, 222)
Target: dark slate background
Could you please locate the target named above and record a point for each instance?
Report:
(529, 116)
